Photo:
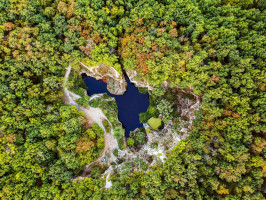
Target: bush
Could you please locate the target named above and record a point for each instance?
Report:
(130, 141)
(143, 90)
(143, 165)
(95, 172)
(115, 152)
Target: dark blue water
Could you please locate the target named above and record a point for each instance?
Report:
(130, 104)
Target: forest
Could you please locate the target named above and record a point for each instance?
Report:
(213, 49)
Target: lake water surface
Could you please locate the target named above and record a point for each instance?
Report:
(130, 104)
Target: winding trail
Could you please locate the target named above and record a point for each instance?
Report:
(93, 115)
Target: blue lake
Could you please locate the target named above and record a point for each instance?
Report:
(130, 104)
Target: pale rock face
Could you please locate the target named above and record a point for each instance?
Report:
(116, 87)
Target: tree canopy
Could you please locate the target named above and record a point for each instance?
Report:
(215, 47)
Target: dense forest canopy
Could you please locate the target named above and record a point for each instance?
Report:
(214, 47)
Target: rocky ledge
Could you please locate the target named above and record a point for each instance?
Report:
(116, 83)
(132, 75)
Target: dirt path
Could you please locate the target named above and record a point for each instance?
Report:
(93, 115)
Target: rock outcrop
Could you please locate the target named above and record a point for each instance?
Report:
(138, 83)
(116, 83)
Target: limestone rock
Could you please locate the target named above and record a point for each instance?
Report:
(116, 83)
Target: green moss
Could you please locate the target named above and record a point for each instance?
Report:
(155, 123)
